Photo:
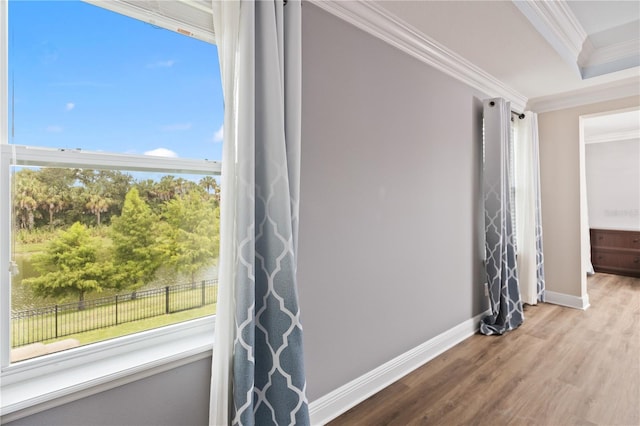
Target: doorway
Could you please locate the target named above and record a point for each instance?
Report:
(610, 190)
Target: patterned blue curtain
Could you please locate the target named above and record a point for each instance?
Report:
(500, 264)
(258, 370)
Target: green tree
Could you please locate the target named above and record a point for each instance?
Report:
(27, 197)
(117, 185)
(189, 233)
(166, 188)
(53, 202)
(57, 184)
(75, 210)
(104, 192)
(133, 234)
(98, 204)
(70, 266)
(209, 184)
(147, 189)
(151, 192)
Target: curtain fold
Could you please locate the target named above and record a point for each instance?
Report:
(258, 370)
(500, 264)
(528, 218)
(533, 126)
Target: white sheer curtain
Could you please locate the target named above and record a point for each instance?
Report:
(258, 372)
(235, 65)
(525, 211)
(528, 219)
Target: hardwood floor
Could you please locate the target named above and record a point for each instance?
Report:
(563, 366)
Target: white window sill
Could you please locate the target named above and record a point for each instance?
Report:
(38, 384)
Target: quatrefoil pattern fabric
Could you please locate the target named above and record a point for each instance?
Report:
(501, 271)
(269, 386)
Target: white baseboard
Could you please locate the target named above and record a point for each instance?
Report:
(567, 300)
(330, 406)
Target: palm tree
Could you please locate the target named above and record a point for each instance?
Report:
(209, 183)
(167, 187)
(98, 204)
(147, 189)
(27, 197)
(53, 202)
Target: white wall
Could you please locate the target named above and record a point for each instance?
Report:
(613, 184)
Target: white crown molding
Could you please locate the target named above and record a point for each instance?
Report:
(585, 55)
(379, 22)
(628, 87)
(613, 137)
(555, 21)
(613, 52)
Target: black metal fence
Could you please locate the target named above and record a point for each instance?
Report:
(51, 322)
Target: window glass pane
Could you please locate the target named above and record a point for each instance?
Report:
(98, 254)
(85, 77)
(101, 253)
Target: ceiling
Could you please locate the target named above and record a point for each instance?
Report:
(601, 16)
(539, 49)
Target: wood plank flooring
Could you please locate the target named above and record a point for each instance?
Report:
(563, 366)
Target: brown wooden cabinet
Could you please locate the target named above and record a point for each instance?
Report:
(616, 252)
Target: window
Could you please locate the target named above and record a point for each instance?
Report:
(111, 132)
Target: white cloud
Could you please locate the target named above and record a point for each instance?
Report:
(70, 106)
(176, 127)
(161, 152)
(54, 129)
(218, 136)
(161, 64)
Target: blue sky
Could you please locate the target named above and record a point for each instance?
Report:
(89, 78)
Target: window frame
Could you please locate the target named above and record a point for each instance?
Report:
(37, 384)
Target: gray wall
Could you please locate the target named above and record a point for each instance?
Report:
(178, 397)
(613, 184)
(390, 247)
(390, 232)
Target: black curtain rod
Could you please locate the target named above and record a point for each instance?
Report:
(519, 114)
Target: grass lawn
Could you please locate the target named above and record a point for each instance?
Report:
(30, 248)
(112, 320)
